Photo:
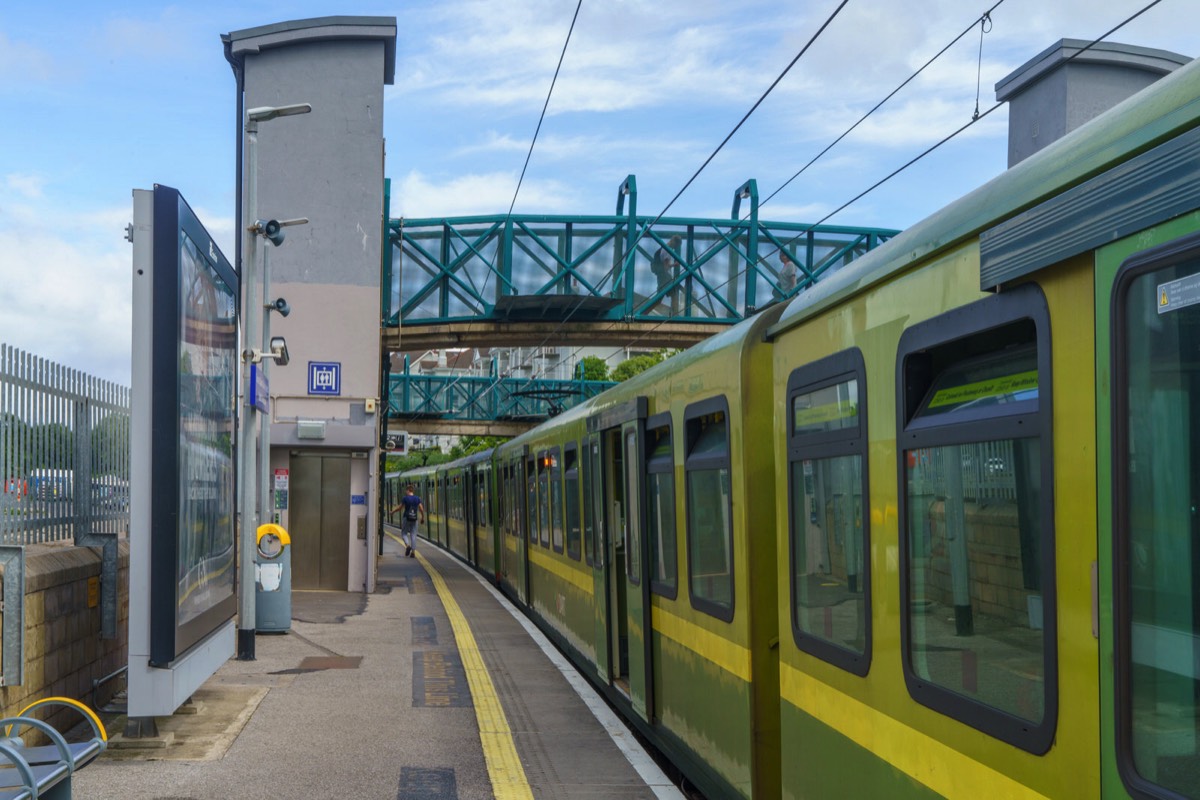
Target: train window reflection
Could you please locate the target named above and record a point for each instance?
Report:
(571, 501)
(977, 517)
(660, 494)
(975, 607)
(709, 520)
(556, 504)
(830, 566)
(1157, 465)
(828, 550)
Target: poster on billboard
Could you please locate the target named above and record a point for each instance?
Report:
(194, 369)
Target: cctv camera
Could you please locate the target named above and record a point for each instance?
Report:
(271, 230)
(279, 351)
(282, 307)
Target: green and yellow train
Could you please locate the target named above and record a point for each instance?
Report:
(930, 530)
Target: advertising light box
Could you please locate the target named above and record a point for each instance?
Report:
(194, 368)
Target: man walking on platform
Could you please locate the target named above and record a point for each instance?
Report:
(413, 509)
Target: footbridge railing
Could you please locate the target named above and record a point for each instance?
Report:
(590, 268)
(484, 398)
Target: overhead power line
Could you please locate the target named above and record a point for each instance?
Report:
(977, 116)
(545, 106)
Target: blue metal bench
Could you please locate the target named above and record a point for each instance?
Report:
(30, 773)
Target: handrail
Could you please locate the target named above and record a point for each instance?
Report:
(89, 715)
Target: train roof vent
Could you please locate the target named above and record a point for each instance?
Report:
(1049, 96)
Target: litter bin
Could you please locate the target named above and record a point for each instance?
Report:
(273, 580)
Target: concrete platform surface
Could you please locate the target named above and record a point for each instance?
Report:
(366, 697)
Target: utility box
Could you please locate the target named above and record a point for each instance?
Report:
(273, 580)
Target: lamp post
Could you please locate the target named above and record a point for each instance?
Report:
(280, 306)
(249, 519)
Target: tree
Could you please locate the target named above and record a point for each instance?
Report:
(415, 459)
(13, 432)
(55, 448)
(468, 445)
(110, 446)
(594, 368)
(632, 366)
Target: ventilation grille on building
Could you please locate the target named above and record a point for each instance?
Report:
(310, 429)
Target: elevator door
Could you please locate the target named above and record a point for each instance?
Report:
(320, 521)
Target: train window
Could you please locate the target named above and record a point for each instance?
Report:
(633, 527)
(1156, 469)
(556, 502)
(571, 502)
(596, 505)
(709, 509)
(585, 471)
(531, 514)
(660, 495)
(827, 503)
(977, 517)
(544, 510)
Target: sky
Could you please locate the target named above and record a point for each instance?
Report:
(100, 98)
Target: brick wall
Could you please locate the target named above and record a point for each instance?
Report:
(63, 649)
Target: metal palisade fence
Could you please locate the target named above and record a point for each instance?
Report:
(64, 452)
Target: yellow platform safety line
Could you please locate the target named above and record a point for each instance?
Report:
(67, 701)
(499, 750)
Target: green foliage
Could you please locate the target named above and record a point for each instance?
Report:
(110, 446)
(434, 455)
(56, 448)
(416, 458)
(594, 368)
(474, 444)
(632, 366)
(13, 455)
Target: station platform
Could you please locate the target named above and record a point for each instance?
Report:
(386, 695)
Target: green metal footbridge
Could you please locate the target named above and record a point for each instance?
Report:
(531, 280)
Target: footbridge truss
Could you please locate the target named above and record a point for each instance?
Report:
(529, 280)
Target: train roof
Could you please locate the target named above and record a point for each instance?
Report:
(1161, 111)
(731, 340)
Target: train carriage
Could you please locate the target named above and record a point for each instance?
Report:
(928, 531)
(952, 592)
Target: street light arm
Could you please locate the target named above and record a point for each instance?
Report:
(264, 113)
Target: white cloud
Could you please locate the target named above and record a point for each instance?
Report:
(22, 63)
(587, 148)
(489, 193)
(173, 34)
(220, 227)
(27, 185)
(68, 303)
(621, 56)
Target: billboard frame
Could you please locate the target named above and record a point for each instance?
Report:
(171, 656)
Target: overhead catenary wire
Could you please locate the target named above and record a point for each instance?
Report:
(533, 141)
(976, 117)
(646, 228)
(881, 103)
(545, 106)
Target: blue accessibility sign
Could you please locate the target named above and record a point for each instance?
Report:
(325, 377)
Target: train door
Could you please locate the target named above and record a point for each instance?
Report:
(470, 510)
(628, 606)
(1148, 584)
(522, 531)
(598, 550)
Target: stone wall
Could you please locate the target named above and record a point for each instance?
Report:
(994, 555)
(63, 649)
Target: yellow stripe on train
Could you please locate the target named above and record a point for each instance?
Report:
(924, 758)
(729, 656)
